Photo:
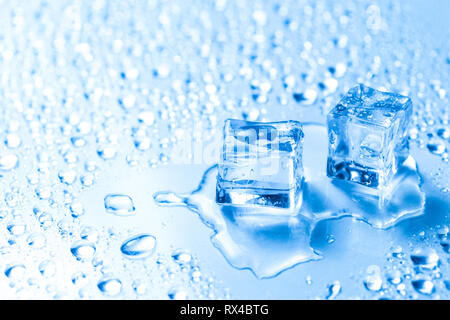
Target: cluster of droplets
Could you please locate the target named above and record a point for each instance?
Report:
(416, 272)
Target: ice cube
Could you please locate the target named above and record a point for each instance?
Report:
(261, 164)
(367, 133)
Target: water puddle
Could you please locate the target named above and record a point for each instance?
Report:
(267, 242)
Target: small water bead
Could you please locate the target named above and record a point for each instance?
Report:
(445, 244)
(426, 258)
(447, 284)
(16, 228)
(67, 176)
(373, 280)
(83, 250)
(15, 271)
(33, 178)
(444, 133)
(110, 286)
(8, 162)
(177, 294)
(423, 286)
(394, 277)
(442, 232)
(45, 220)
(87, 180)
(36, 240)
(140, 287)
(11, 199)
(146, 117)
(97, 262)
(84, 127)
(3, 213)
(70, 157)
(47, 268)
(90, 234)
(107, 152)
(128, 101)
(80, 279)
(132, 160)
(397, 252)
(437, 148)
(142, 143)
(90, 166)
(119, 204)
(76, 209)
(307, 98)
(182, 257)
(196, 275)
(64, 226)
(334, 289)
(13, 140)
(78, 142)
(139, 246)
(43, 193)
(330, 239)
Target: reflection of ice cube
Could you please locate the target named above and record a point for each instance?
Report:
(261, 164)
(368, 136)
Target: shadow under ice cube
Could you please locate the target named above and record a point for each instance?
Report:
(367, 133)
(261, 164)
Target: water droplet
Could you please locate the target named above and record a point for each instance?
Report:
(447, 284)
(146, 117)
(12, 141)
(196, 275)
(333, 290)
(36, 240)
(83, 250)
(423, 286)
(8, 162)
(17, 228)
(373, 280)
(436, 147)
(139, 247)
(426, 258)
(76, 209)
(90, 234)
(182, 257)
(68, 177)
(444, 133)
(15, 271)
(119, 204)
(394, 277)
(445, 244)
(307, 98)
(47, 268)
(177, 294)
(110, 286)
(80, 279)
(397, 252)
(107, 153)
(139, 287)
(78, 142)
(45, 220)
(442, 233)
(43, 193)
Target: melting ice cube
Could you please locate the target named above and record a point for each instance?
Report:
(367, 133)
(261, 164)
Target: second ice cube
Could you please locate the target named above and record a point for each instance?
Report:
(261, 164)
(368, 136)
